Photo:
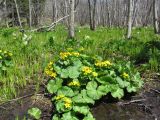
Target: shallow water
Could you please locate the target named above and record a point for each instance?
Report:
(149, 109)
(116, 112)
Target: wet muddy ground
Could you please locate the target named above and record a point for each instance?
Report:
(142, 106)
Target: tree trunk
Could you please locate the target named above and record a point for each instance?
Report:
(155, 17)
(92, 14)
(71, 33)
(130, 12)
(30, 13)
(6, 13)
(19, 19)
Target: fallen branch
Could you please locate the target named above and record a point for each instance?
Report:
(48, 28)
(157, 91)
(132, 101)
(19, 98)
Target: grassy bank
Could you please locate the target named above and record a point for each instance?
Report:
(32, 51)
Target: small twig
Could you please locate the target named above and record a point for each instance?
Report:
(157, 91)
(132, 101)
(19, 98)
(3, 108)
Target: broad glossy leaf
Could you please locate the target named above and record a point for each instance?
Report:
(54, 85)
(64, 73)
(66, 91)
(117, 93)
(81, 109)
(69, 116)
(73, 72)
(35, 112)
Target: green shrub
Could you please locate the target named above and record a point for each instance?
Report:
(77, 81)
(5, 61)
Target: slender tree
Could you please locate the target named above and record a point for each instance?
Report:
(130, 12)
(18, 14)
(30, 13)
(71, 33)
(92, 14)
(155, 17)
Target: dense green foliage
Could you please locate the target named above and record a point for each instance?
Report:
(77, 81)
(31, 53)
(5, 61)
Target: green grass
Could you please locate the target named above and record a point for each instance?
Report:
(29, 61)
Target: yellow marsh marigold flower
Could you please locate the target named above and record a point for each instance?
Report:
(103, 64)
(87, 70)
(67, 100)
(75, 54)
(50, 73)
(64, 55)
(67, 105)
(125, 75)
(74, 83)
(59, 97)
(107, 63)
(49, 70)
(95, 74)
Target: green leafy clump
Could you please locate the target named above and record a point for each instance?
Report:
(78, 81)
(35, 113)
(5, 61)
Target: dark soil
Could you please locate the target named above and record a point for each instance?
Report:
(142, 106)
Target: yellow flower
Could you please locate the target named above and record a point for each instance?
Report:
(67, 105)
(107, 63)
(64, 55)
(125, 75)
(74, 83)
(95, 74)
(59, 97)
(49, 70)
(50, 73)
(75, 54)
(67, 100)
(103, 64)
(87, 70)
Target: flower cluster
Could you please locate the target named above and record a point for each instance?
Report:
(64, 55)
(5, 54)
(95, 74)
(103, 63)
(59, 97)
(67, 101)
(125, 75)
(74, 83)
(49, 70)
(87, 70)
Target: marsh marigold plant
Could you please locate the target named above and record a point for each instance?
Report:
(77, 81)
